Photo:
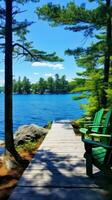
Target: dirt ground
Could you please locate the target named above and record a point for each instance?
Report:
(9, 178)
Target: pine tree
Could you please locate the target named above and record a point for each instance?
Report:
(26, 86)
(50, 84)
(18, 86)
(57, 83)
(10, 27)
(89, 81)
(41, 86)
(78, 18)
(64, 84)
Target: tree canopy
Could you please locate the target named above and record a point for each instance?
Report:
(95, 59)
(20, 29)
(13, 44)
(53, 85)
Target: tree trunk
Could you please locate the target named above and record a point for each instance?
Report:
(9, 141)
(8, 77)
(107, 55)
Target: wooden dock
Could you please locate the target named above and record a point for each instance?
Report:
(58, 172)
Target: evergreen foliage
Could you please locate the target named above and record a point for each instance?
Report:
(20, 29)
(1, 89)
(94, 82)
(14, 43)
(52, 85)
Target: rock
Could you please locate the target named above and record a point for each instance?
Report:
(9, 161)
(10, 164)
(28, 133)
(1, 142)
(2, 148)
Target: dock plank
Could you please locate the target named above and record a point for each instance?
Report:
(58, 170)
(40, 193)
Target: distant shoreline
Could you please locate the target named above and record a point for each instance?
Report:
(41, 109)
(41, 94)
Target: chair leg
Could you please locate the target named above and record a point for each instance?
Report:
(89, 166)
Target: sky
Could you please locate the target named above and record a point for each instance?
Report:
(48, 39)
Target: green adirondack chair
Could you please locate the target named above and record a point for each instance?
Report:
(93, 122)
(98, 154)
(105, 128)
(96, 123)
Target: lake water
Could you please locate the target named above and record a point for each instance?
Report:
(40, 109)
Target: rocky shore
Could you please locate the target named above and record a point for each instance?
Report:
(1, 147)
(27, 140)
(1, 142)
(24, 134)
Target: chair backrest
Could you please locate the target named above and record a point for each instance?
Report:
(95, 118)
(98, 120)
(108, 155)
(107, 121)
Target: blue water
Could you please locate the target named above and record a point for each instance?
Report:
(40, 109)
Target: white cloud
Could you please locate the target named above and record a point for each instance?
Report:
(47, 64)
(49, 75)
(1, 70)
(36, 73)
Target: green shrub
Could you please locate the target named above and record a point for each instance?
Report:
(29, 146)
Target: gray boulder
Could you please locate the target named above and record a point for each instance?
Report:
(28, 133)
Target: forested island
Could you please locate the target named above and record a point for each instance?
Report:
(56, 85)
(51, 85)
(1, 89)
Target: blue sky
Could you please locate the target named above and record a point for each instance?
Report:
(48, 39)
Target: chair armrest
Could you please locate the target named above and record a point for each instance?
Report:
(89, 124)
(82, 133)
(99, 144)
(95, 126)
(100, 135)
(88, 121)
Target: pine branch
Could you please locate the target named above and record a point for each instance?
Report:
(24, 48)
(21, 25)
(16, 12)
(38, 55)
(80, 28)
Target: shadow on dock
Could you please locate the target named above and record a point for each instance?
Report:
(53, 177)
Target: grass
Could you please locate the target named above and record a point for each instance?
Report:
(48, 126)
(29, 146)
